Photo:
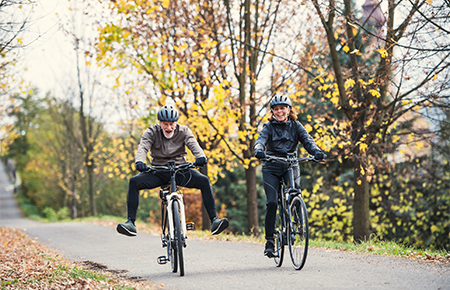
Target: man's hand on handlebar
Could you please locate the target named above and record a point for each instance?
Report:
(141, 166)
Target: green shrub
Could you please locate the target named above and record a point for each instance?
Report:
(63, 213)
(50, 214)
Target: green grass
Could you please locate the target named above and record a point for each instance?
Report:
(384, 248)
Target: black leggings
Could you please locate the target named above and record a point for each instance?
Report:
(273, 173)
(189, 178)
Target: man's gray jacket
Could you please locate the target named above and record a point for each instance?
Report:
(163, 149)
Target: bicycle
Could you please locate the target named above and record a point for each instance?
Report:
(173, 220)
(291, 224)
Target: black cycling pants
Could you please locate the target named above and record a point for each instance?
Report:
(189, 178)
(273, 173)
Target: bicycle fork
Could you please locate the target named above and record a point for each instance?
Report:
(171, 227)
(171, 197)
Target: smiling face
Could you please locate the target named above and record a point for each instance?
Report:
(281, 113)
(168, 128)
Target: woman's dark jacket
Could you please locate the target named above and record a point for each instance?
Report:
(280, 138)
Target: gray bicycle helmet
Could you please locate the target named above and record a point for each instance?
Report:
(168, 114)
(280, 101)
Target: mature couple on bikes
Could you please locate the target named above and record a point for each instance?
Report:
(168, 140)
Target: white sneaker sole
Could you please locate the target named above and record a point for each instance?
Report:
(124, 231)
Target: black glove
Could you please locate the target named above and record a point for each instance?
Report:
(319, 155)
(141, 166)
(200, 161)
(260, 154)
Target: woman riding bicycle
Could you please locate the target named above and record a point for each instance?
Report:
(280, 137)
(168, 141)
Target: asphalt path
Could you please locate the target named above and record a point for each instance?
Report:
(219, 265)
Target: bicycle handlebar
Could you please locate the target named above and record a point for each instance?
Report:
(172, 168)
(293, 160)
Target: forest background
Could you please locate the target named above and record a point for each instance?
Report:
(369, 82)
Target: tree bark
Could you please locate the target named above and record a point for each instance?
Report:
(361, 217)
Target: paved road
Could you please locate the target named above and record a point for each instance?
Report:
(222, 265)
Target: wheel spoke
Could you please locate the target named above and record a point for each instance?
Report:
(280, 237)
(298, 232)
(178, 236)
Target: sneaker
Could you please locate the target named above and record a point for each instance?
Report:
(269, 251)
(218, 225)
(127, 229)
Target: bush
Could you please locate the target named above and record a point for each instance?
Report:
(50, 214)
(63, 213)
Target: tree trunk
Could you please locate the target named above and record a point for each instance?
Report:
(91, 189)
(252, 202)
(361, 217)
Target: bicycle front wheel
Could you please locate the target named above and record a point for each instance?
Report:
(298, 232)
(178, 235)
(280, 236)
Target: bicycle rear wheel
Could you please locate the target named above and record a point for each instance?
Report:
(298, 232)
(280, 236)
(178, 236)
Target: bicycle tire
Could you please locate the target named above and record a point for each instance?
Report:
(280, 236)
(178, 235)
(171, 249)
(298, 232)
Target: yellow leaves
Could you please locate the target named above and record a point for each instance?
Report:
(395, 139)
(165, 3)
(419, 145)
(429, 2)
(349, 83)
(308, 128)
(363, 147)
(335, 98)
(434, 77)
(382, 52)
(374, 93)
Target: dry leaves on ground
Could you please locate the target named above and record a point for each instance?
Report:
(26, 264)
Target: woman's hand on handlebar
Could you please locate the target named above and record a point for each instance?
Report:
(200, 161)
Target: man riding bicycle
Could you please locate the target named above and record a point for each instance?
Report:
(280, 137)
(168, 141)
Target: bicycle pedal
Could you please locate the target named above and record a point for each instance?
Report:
(162, 260)
(190, 226)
